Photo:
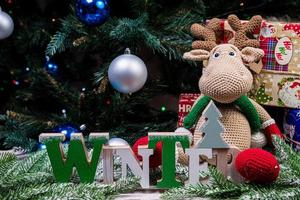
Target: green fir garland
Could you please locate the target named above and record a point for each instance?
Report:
(32, 178)
(285, 187)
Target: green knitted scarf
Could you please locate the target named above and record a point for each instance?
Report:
(243, 103)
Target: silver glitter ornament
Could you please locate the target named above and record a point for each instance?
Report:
(6, 25)
(127, 73)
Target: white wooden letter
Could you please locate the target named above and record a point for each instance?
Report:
(194, 163)
(128, 159)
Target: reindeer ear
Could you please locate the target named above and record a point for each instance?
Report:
(196, 55)
(250, 54)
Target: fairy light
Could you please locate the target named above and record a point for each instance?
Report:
(64, 112)
(15, 82)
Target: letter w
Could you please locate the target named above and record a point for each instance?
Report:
(77, 157)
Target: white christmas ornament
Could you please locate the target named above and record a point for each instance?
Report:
(116, 142)
(127, 73)
(258, 140)
(6, 25)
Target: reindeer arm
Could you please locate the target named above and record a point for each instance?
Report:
(263, 114)
(193, 116)
(268, 124)
(200, 97)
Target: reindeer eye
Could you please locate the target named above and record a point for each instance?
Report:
(231, 53)
(216, 55)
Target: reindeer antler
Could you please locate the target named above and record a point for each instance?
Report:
(241, 39)
(208, 34)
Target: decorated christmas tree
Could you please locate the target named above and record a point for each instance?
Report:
(54, 66)
(72, 71)
(261, 96)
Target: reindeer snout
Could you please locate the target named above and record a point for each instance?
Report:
(225, 87)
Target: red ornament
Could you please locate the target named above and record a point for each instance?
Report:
(257, 166)
(155, 159)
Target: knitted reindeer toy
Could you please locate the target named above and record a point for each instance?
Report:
(226, 80)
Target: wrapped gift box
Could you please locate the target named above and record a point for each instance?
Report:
(278, 84)
(186, 101)
(278, 80)
(291, 127)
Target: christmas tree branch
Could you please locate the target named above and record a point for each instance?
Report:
(61, 39)
(30, 179)
(286, 186)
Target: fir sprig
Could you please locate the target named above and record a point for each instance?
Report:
(61, 39)
(286, 186)
(32, 179)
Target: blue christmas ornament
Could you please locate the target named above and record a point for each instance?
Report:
(41, 146)
(92, 12)
(50, 66)
(67, 129)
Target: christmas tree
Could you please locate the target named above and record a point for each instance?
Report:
(212, 129)
(262, 97)
(54, 66)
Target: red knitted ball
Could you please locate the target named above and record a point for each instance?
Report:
(257, 166)
(155, 159)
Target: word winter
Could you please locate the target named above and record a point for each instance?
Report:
(77, 157)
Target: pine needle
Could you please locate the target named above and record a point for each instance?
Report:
(286, 186)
